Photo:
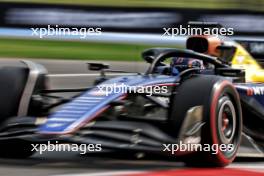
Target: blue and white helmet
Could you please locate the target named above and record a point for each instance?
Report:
(178, 64)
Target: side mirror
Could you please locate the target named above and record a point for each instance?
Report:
(97, 66)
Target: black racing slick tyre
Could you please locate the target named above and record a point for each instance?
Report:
(16, 148)
(221, 117)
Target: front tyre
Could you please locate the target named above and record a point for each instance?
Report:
(224, 118)
(221, 115)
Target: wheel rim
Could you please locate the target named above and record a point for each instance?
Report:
(226, 120)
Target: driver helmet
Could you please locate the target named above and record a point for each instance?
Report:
(179, 64)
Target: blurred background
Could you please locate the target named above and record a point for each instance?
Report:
(128, 26)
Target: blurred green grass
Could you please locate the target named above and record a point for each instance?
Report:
(212, 4)
(50, 49)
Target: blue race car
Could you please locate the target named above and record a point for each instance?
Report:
(186, 97)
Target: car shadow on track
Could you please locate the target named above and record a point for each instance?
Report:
(108, 161)
(104, 161)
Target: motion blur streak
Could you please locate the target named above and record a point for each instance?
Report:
(203, 172)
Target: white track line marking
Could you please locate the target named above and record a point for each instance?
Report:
(239, 166)
(255, 168)
(106, 173)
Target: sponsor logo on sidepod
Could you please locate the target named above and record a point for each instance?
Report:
(255, 91)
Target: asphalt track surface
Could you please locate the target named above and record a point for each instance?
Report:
(112, 163)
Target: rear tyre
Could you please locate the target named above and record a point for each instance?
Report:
(221, 113)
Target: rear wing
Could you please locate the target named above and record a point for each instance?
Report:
(254, 46)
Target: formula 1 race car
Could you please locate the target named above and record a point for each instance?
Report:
(210, 93)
